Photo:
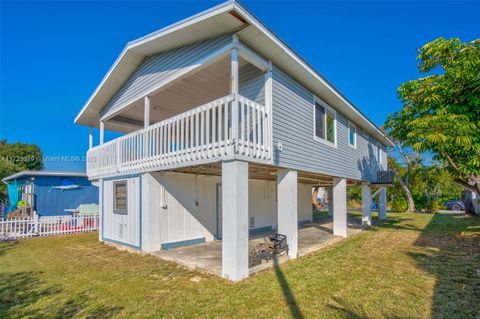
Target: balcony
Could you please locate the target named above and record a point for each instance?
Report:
(232, 126)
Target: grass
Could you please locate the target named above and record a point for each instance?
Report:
(412, 266)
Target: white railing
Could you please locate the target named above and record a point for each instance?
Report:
(206, 133)
(47, 226)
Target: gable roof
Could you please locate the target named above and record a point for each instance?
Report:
(229, 16)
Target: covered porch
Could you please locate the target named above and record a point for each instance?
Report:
(203, 111)
(313, 236)
(238, 206)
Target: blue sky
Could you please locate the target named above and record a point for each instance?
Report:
(54, 54)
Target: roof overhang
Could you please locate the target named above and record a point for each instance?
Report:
(226, 17)
(43, 173)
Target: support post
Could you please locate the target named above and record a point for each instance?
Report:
(235, 220)
(366, 206)
(268, 91)
(339, 198)
(102, 132)
(146, 117)
(287, 208)
(146, 124)
(382, 205)
(100, 210)
(90, 138)
(234, 91)
(330, 200)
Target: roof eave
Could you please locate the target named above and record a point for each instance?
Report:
(43, 173)
(225, 6)
(252, 20)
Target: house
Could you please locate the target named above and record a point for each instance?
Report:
(50, 193)
(226, 131)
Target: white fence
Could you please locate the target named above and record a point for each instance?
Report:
(47, 226)
(202, 134)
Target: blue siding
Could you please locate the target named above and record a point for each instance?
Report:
(293, 126)
(51, 202)
(251, 83)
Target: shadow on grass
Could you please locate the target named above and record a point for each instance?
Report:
(19, 292)
(396, 223)
(350, 312)
(6, 246)
(346, 310)
(287, 292)
(449, 250)
(454, 260)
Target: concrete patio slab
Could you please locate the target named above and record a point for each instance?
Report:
(207, 257)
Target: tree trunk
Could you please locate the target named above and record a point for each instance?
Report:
(467, 201)
(410, 202)
(475, 187)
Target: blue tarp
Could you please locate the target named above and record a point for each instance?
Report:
(12, 195)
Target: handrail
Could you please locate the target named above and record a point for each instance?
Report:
(204, 133)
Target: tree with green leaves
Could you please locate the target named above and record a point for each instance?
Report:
(420, 186)
(432, 186)
(17, 157)
(441, 112)
(403, 174)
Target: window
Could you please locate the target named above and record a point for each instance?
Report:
(120, 197)
(319, 121)
(325, 123)
(352, 135)
(330, 127)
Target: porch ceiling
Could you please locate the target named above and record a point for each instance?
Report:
(262, 172)
(203, 86)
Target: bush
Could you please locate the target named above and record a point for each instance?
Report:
(398, 204)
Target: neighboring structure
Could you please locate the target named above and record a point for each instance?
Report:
(52, 193)
(226, 131)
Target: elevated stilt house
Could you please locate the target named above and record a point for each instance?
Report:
(226, 131)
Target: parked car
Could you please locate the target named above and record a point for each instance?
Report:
(455, 205)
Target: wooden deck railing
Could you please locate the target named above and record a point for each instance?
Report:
(204, 134)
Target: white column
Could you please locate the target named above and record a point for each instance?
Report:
(234, 91)
(382, 205)
(234, 71)
(100, 209)
(102, 132)
(235, 220)
(330, 200)
(90, 138)
(339, 198)
(366, 205)
(287, 208)
(146, 117)
(268, 91)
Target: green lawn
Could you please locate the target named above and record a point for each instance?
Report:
(412, 266)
